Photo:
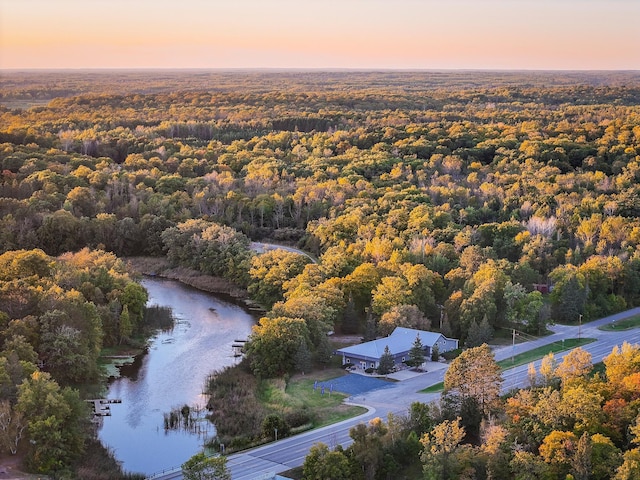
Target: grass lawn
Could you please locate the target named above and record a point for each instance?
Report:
(537, 353)
(621, 325)
(298, 395)
(435, 388)
(527, 357)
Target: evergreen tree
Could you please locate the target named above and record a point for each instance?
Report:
(386, 362)
(126, 328)
(479, 334)
(370, 327)
(416, 354)
(350, 320)
(435, 353)
(446, 329)
(302, 358)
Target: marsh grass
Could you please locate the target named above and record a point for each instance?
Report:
(238, 404)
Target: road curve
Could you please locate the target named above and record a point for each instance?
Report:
(261, 247)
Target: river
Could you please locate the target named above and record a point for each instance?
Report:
(171, 374)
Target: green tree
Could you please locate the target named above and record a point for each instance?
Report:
(302, 358)
(350, 320)
(605, 457)
(523, 308)
(386, 363)
(126, 329)
(201, 467)
(65, 349)
(421, 417)
(367, 446)
(322, 464)
(274, 427)
(55, 423)
(528, 466)
(416, 353)
(273, 345)
(134, 297)
(479, 334)
(569, 295)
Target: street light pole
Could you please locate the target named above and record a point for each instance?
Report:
(276, 430)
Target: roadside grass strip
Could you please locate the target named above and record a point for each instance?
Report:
(526, 357)
(621, 325)
(537, 353)
(435, 388)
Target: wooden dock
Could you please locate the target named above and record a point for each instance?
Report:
(238, 347)
(101, 407)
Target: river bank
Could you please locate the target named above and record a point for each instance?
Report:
(160, 267)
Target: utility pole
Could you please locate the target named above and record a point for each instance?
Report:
(579, 327)
(513, 346)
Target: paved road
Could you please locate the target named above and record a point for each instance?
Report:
(261, 247)
(290, 452)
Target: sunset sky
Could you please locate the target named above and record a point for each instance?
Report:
(407, 34)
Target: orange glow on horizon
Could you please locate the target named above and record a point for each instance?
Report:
(543, 34)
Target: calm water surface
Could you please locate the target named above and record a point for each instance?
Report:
(171, 374)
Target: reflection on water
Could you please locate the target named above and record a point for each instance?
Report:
(171, 374)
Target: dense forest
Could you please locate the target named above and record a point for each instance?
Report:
(454, 200)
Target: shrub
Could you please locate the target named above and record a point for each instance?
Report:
(272, 423)
(297, 418)
(450, 355)
(435, 353)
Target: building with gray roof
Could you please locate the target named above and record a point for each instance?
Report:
(367, 355)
